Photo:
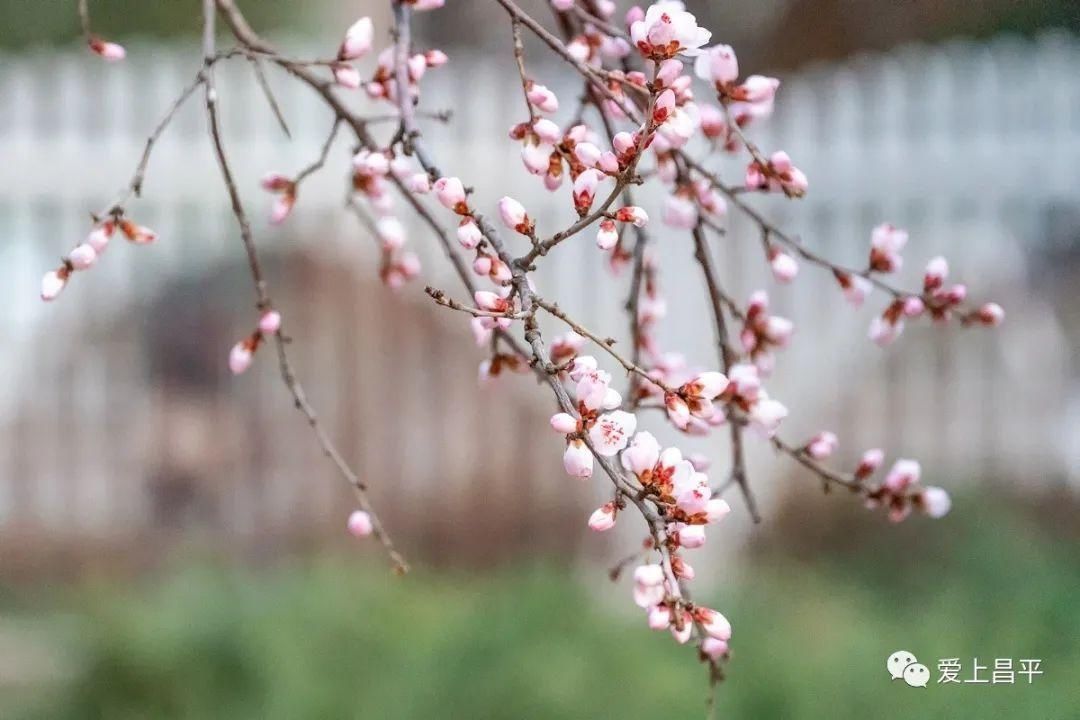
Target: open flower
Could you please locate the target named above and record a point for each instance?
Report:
(667, 30)
(612, 431)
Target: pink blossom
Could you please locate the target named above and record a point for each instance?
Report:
(700, 462)
(642, 454)
(391, 232)
(346, 75)
(607, 236)
(543, 99)
(784, 267)
(778, 175)
(822, 445)
(913, 306)
(936, 272)
(240, 357)
(682, 569)
(677, 410)
(648, 585)
(468, 234)
(758, 89)
(869, 463)
(282, 208)
(956, 294)
(99, 237)
(357, 42)
(360, 525)
(435, 58)
(990, 314)
(564, 423)
(577, 460)
(624, 143)
(492, 302)
(451, 193)
(53, 283)
(275, 182)
(585, 190)
(682, 636)
(612, 431)
(514, 216)
(482, 265)
(659, 617)
(886, 242)
(137, 234)
(422, 5)
(707, 385)
(884, 331)
(692, 537)
(680, 125)
(713, 623)
(108, 50)
(536, 158)
(270, 322)
(665, 103)
(714, 648)
(669, 72)
(713, 122)
(579, 49)
(603, 518)
(588, 154)
(716, 509)
(667, 30)
(367, 162)
(935, 502)
(679, 212)
(766, 415)
(632, 214)
(82, 257)
(855, 287)
(547, 131)
(903, 473)
(419, 183)
(566, 346)
(717, 65)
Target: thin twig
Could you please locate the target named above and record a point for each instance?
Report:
(268, 93)
(323, 154)
(288, 374)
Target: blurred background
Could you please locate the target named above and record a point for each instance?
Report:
(171, 540)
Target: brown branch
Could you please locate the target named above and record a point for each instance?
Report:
(605, 343)
(268, 93)
(441, 298)
(263, 298)
(84, 20)
(134, 187)
(323, 154)
(409, 131)
(728, 357)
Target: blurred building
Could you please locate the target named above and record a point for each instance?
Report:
(120, 429)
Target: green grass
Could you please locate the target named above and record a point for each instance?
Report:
(327, 640)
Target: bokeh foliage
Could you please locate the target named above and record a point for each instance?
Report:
(328, 640)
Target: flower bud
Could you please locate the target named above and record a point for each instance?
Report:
(270, 322)
(603, 518)
(360, 525)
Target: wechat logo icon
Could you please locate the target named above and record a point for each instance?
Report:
(903, 665)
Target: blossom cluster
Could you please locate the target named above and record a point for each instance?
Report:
(86, 254)
(650, 126)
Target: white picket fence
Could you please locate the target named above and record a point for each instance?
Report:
(970, 146)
